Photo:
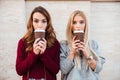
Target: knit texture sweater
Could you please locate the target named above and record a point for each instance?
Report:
(69, 68)
(38, 66)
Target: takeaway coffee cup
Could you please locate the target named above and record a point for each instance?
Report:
(39, 33)
(79, 35)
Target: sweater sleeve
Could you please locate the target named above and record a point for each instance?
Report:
(51, 59)
(101, 61)
(23, 63)
(65, 63)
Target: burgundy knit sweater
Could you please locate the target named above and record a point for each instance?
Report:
(34, 64)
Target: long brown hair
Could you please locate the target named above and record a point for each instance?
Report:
(49, 35)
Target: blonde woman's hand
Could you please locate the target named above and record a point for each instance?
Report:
(74, 48)
(36, 46)
(82, 47)
(75, 44)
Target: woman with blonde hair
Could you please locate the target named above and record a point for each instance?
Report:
(38, 58)
(80, 59)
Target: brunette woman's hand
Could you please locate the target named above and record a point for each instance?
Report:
(36, 46)
(43, 44)
(39, 46)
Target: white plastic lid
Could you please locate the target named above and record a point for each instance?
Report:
(39, 30)
(78, 31)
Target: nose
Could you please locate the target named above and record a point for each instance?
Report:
(78, 25)
(39, 24)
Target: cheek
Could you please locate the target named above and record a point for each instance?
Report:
(82, 26)
(34, 25)
(45, 26)
(73, 28)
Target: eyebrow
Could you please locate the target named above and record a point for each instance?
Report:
(38, 19)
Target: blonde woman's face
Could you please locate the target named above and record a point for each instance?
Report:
(39, 21)
(78, 23)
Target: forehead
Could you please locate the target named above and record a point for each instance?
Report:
(78, 17)
(38, 15)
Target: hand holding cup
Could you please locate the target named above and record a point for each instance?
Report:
(40, 41)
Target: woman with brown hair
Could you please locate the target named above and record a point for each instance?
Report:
(80, 58)
(38, 59)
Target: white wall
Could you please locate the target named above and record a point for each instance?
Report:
(105, 28)
(104, 20)
(12, 28)
(60, 11)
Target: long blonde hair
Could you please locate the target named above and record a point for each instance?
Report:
(49, 35)
(69, 32)
(69, 35)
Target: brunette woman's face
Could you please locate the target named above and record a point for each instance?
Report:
(39, 21)
(78, 23)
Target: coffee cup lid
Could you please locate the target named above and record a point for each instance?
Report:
(78, 31)
(39, 30)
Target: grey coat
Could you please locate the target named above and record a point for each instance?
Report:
(68, 67)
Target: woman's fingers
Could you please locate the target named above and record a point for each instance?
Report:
(82, 43)
(73, 38)
(42, 44)
(81, 46)
(44, 40)
(36, 43)
(37, 40)
(39, 46)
